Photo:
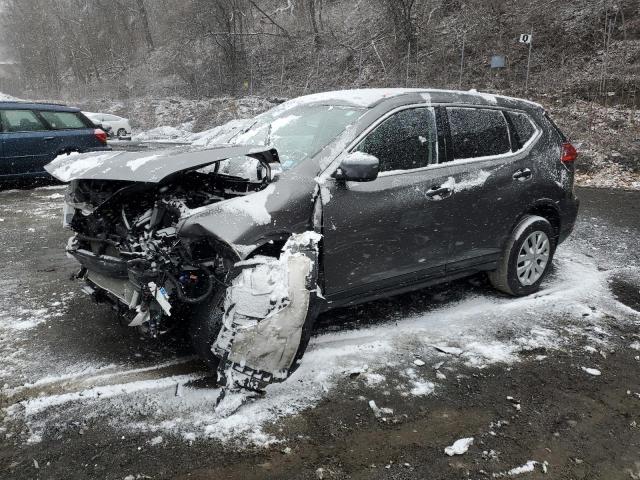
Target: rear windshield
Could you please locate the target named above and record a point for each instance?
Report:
(63, 120)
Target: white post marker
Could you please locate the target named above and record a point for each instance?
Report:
(527, 38)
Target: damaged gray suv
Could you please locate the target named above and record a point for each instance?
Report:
(324, 201)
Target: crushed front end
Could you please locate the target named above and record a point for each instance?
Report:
(127, 241)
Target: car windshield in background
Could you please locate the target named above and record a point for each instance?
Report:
(298, 133)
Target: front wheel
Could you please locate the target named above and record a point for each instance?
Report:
(204, 326)
(122, 133)
(526, 258)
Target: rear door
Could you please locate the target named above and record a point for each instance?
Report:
(73, 131)
(388, 231)
(491, 175)
(27, 143)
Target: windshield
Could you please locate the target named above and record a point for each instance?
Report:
(298, 133)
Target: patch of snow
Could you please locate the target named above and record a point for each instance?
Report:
(528, 467)
(8, 98)
(65, 170)
(373, 379)
(422, 388)
(469, 182)
(459, 447)
(379, 412)
(252, 205)
(592, 371)
(139, 162)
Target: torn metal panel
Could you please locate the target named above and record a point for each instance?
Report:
(267, 308)
(143, 167)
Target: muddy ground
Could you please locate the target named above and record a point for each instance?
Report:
(536, 403)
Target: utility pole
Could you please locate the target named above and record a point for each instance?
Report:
(526, 85)
(464, 35)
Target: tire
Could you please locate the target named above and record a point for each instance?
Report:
(205, 324)
(121, 133)
(535, 262)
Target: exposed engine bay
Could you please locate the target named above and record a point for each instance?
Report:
(128, 241)
(129, 231)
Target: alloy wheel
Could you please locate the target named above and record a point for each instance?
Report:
(533, 258)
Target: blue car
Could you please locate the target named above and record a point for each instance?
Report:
(33, 134)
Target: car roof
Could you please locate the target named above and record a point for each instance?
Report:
(37, 106)
(372, 97)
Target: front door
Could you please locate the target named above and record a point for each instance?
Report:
(389, 230)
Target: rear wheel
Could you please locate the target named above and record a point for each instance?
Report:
(205, 324)
(122, 133)
(526, 259)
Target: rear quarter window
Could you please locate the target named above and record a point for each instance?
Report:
(478, 132)
(63, 120)
(522, 128)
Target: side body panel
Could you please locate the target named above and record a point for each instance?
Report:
(26, 152)
(383, 229)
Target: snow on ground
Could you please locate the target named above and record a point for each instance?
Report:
(470, 331)
(46, 390)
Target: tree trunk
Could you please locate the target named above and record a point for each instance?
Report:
(144, 18)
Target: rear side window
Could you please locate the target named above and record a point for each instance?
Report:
(522, 129)
(21, 121)
(404, 141)
(477, 132)
(63, 120)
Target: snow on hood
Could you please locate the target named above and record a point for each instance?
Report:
(146, 167)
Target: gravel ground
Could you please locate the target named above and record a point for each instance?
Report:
(547, 383)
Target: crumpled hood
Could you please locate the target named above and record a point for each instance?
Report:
(147, 166)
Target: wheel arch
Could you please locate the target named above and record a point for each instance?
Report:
(548, 210)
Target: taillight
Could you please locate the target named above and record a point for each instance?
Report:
(100, 135)
(569, 153)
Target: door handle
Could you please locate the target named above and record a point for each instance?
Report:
(438, 193)
(46, 139)
(522, 175)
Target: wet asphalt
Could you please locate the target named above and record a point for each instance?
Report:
(584, 418)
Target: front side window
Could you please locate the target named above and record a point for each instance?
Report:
(63, 120)
(404, 141)
(21, 121)
(478, 132)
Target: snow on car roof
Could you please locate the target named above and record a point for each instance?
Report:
(369, 97)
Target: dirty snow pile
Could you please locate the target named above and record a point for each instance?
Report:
(184, 134)
(8, 98)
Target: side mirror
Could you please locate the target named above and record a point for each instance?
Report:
(358, 167)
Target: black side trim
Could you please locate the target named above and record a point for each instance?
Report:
(110, 266)
(445, 152)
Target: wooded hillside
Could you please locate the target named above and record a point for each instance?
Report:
(204, 48)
